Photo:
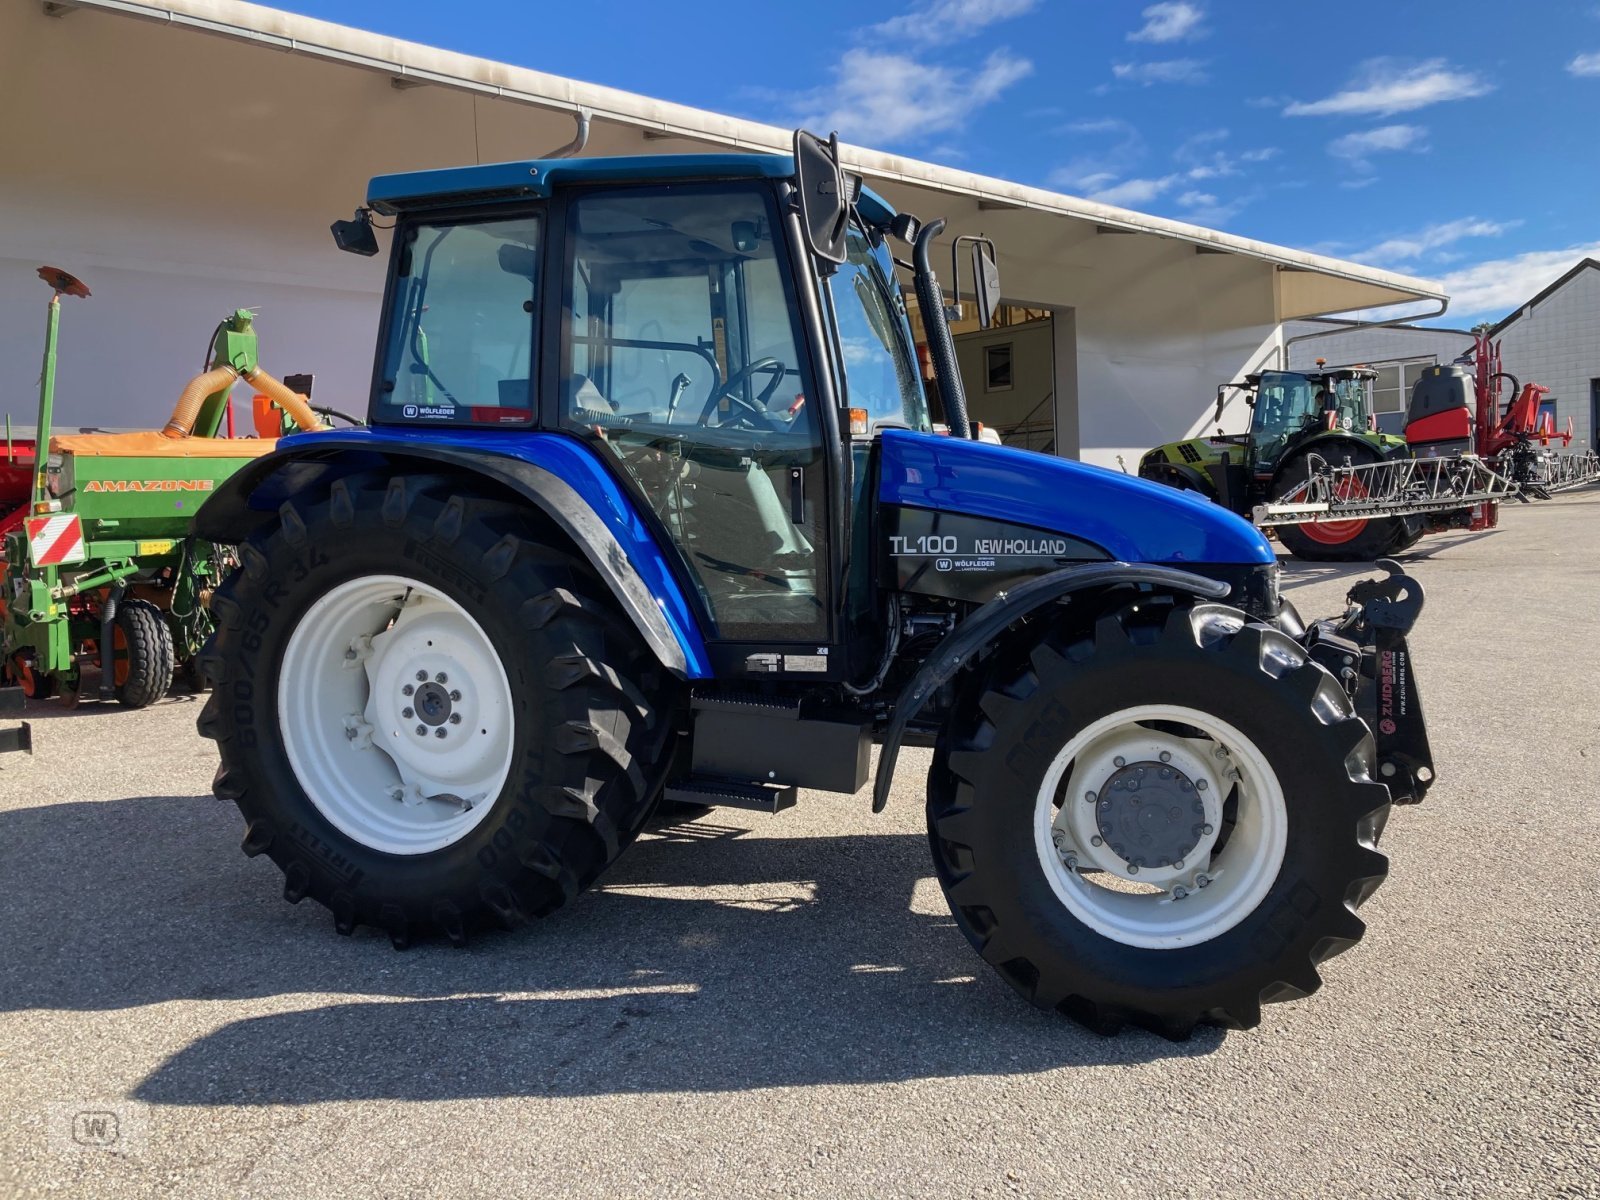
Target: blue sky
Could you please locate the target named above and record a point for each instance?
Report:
(1453, 140)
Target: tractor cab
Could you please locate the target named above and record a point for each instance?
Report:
(1288, 408)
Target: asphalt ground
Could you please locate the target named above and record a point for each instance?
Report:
(752, 1005)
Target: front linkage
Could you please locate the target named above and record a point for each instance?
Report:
(1366, 651)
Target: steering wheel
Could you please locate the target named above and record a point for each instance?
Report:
(730, 389)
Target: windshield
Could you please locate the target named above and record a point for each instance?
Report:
(1287, 403)
(874, 337)
(460, 339)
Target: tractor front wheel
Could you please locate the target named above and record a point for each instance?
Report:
(1165, 821)
(427, 714)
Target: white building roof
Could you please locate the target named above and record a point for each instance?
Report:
(1308, 283)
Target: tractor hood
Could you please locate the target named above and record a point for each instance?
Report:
(1131, 519)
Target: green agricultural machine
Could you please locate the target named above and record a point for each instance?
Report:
(1295, 418)
(100, 567)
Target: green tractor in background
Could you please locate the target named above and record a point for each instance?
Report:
(1294, 415)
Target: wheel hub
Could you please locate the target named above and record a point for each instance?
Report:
(1150, 814)
(433, 704)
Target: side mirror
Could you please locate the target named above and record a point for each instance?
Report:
(356, 236)
(985, 282)
(1221, 402)
(824, 202)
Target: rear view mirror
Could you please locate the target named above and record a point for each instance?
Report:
(517, 260)
(356, 236)
(985, 281)
(1221, 400)
(824, 203)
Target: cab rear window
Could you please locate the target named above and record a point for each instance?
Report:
(460, 343)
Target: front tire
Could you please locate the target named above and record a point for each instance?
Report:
(141, 645)
(1166, 821)
(369, 614)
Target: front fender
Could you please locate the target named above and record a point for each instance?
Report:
(557, 475)
(980, 629)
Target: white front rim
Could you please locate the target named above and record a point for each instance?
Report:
(396, 714)
(1170, 797)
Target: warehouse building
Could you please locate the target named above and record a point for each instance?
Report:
(1552, 339)
(185, 158)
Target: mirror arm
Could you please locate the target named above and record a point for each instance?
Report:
(937, 327)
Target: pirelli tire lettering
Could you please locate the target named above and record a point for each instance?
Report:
(971, 558)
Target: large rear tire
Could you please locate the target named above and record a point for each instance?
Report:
(1341, 541)
(1165, 821)
(428, 715)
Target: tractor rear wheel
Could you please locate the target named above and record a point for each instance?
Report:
(1165, 821)
(1360, 540)
(141, 646)
(428, 716)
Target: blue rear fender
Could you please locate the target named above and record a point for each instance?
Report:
(558, 474)
(1132, 519)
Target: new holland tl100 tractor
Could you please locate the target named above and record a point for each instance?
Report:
(651, 507)
(1296, 418)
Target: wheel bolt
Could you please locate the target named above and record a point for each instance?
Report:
(1166, 772)
(407, 713)
(1202, 880)
(422, 677)
(1133, 785)
(1133, 868)
(1177, 865)
(454, 695)
(407, 690)
(1201, 784)
(440, 732)
(1090, 797)
(1186, 786)
(1179, 893)
(1097, 840)
(455, 718)
(1166, 756)
(1071, 862)
(1206, 831)
(422, 731)
(441, 677)
(1120, 761)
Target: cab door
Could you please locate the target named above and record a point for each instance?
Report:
(683, 364)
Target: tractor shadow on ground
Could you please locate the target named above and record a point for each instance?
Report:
(1299, 574)
(712, 958)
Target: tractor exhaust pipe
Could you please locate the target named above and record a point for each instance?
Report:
(937, 325)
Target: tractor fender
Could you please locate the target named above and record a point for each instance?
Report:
(985, 625)
(557, 475)
(1179, 475)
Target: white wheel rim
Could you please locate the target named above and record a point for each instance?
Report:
(1205, 893)
(343, 701)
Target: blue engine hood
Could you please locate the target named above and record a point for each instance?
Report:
(1133, 519)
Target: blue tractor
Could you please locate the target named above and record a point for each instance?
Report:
(651, 510)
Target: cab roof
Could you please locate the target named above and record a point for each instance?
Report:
(533, 178)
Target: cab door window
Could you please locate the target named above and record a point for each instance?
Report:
(684, 365)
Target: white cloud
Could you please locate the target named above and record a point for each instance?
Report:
(939, 22)
(1260, 155)
(1358, 148)
(1194, 199)
(1174, 21)
(1384, 86)
(1355, 184)
(1585, 64)
(1409, 247)
(879, 98)
(1497, 287)
(1089, 172)
(1177, 70)
(1135, 191)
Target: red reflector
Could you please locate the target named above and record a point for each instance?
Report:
(501, 416)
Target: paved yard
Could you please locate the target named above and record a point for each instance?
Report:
(781, 1005)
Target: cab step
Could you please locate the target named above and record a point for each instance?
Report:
(732, 793)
